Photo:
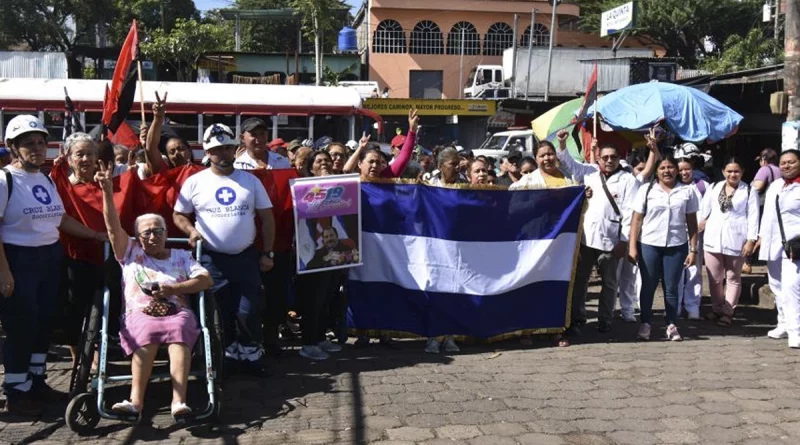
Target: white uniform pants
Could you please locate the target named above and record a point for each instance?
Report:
(690, 290)
(784, 281)
(630, 283)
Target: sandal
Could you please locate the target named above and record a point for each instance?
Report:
(712, 316)
(125, 407)
(724, 321)
(180, 412)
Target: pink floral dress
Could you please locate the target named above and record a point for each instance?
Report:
(139, 271)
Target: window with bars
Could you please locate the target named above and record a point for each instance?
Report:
(426, 38)
(472, 41)
(541, 36)
(389, 38)
(499, 37)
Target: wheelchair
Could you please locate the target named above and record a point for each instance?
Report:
(88, 389)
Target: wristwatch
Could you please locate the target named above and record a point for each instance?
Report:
(693, 250)
(269, 254)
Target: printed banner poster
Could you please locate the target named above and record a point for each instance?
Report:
(327, 217)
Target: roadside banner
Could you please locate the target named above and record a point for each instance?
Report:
(327, 216)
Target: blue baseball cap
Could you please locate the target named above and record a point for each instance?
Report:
(4, 151)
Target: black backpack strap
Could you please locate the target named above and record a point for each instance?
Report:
(780, 220)
(9, 182)
(646, 195)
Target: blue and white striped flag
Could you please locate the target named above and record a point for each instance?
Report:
(480, 263)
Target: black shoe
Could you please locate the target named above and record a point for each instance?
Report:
(388, 343)
(44, 393)
(573, 331)
(23, 404)
(604, 326)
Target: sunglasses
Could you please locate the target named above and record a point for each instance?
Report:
(151, 232)
(609, 157)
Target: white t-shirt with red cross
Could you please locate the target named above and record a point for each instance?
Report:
(33, 214)
(224, 207)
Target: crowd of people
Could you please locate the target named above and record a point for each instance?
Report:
(651, 217)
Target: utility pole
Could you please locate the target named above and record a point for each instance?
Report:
(550, 52)
(530, 53)
(514, 51)
(777, 17)
(461, 67)
(791, 70)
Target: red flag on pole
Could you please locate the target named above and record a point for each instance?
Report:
(123, 85)
(589, 98)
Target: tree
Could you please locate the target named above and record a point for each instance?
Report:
(751, 51)
(184, 43)
(682, 27)
(150, 14)
(318, 17)
(47, 25)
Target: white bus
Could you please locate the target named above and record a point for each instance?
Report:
(294, 111)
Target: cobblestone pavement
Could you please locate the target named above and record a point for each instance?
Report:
(720, 386)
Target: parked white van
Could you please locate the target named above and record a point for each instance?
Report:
(498, 144)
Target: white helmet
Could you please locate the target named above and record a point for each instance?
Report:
(351, 144)
(687, 151)
(24, 123)
(218, 135)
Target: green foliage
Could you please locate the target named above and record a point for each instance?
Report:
(42, 25)
(328, 13)
(181, 46)
(751, 51)
(681, 27)
(149, 15)
(332, 78)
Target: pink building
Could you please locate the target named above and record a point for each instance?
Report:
(414, 47)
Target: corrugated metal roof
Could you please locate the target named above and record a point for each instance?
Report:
(29, 64)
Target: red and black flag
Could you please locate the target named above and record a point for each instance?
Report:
(71, 121)
(589, 98)
(119, 101)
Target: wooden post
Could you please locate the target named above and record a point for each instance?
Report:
(141, 91)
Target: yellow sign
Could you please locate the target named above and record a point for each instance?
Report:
(432, 107)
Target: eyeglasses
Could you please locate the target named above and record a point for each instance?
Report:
(609, 157)
(151, 232)
(218, 131)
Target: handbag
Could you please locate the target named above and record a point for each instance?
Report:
(613, 204)
(791, 247)
(157, 307)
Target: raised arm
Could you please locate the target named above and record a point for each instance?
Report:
(577, 169)
(399, 164)
(352, 163)
(116, 234)
(652, 157)
(153, 157)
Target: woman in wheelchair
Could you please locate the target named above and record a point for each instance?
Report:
(156, 283)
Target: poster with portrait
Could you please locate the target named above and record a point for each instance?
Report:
(327, 218)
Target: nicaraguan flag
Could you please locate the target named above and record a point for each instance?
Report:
(481, 263)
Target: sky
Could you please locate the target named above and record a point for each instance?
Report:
(205, 5)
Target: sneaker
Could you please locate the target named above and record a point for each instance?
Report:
(313, 352)
(329, 346)
(23, 404)
(673, 334)
(450, 345)
(629, 318)
(432, 347)
(778, 333)
(43, 392)
(794, 342)
(644, 331)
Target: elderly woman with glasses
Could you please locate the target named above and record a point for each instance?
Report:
(156, 284)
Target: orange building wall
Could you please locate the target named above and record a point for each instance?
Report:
(392, 70)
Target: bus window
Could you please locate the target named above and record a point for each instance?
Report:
(54, 122)
(184, 125)
(295, 127)
(337, 127)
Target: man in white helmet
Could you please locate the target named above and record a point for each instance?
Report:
(225, 202)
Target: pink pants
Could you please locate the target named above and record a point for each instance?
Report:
(724, 281)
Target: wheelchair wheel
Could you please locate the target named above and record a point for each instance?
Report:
(217, 346)
(82, 416)
(81, 371)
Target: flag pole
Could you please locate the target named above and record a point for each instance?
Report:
(594, 115)
(141, 91)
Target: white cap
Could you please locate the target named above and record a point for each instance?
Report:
(351, 144)
(24, 123)
(687, 150)
(218, 135)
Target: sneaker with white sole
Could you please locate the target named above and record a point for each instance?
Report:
(329, 346)
(313, 352)
(794, 342)
(629, 318)
(450, 345)
(673, 334)
(432, 347)
(778, 333)
(644, 331)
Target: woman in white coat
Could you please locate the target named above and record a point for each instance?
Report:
(784, 272)
(729, 213)
(690, 291)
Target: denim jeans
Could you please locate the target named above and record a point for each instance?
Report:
(660, 263)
